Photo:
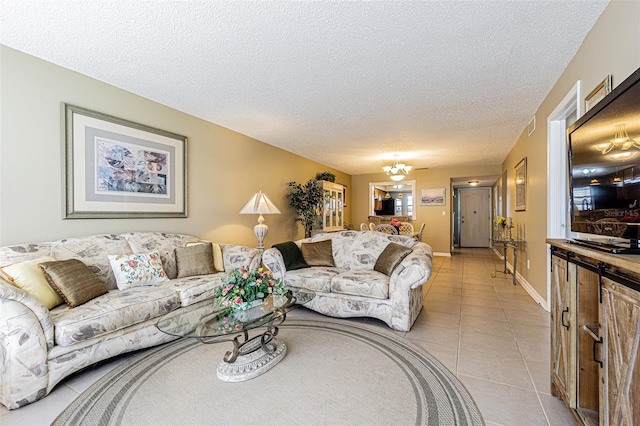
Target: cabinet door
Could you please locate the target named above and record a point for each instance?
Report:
(563, 335)
(621, 372)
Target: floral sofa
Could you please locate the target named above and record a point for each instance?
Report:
(40, 346)
(352, 288)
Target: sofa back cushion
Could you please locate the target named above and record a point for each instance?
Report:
(93, 251)
(165, 244)
(359, 250)
(22, 252)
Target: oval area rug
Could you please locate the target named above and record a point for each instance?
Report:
(334, 373)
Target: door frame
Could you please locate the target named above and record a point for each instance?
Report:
(557, 169)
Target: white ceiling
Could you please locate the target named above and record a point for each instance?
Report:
(348, 84)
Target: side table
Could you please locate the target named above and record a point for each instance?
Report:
(508, 244)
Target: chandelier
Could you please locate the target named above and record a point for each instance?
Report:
(621, 140)
(398, 171)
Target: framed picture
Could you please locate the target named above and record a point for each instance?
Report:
(344, 195)
(432, 197)
(599, 92)
(521, 185)
(115, 168)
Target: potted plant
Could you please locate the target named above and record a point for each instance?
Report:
(243, 288)
(328, 176)
(306, 199)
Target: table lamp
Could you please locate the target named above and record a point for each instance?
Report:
(260, 204)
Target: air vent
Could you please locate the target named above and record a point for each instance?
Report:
(532, 125)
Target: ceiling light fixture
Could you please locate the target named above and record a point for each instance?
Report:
(474, 183)
(621, 140)
(398, 171)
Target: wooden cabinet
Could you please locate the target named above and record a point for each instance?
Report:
(563, 336)
(332, 216)
(620, 391)
(595, 334)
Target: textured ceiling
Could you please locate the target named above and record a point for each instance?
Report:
(348, 84)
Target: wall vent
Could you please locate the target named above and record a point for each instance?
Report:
(532, 125)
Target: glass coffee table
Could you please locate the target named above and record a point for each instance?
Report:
(251, 357)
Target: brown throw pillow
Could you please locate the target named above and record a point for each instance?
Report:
(73, 280)
(318, 254)
(195, 260)
(390, 258)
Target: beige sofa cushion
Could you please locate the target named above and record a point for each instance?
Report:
(361, 283)
(110, 312)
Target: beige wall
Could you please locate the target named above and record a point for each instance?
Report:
(612, 47)
(438, 228)
(225, 168)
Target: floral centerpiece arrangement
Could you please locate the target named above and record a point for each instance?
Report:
(243, 288)
(503, 224)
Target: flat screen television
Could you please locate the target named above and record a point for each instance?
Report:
(604, 164)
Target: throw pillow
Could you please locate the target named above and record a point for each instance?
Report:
(195, 260)
(390, 258)
(318, 254)
(292, 256)
(28, 277)
(137, 270)
(73, 280)
(218, 261)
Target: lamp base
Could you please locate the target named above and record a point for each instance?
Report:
(261, 231)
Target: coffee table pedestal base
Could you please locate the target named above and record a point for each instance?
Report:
(253, 364)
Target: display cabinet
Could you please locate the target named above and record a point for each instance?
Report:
(332, 216)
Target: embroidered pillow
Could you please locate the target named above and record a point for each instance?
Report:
(73, 280)
(318, 254)
(195, 260)
(137, 270)
(390, 258)
(28, 277)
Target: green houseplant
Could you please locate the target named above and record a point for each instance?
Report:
(306, 199)
(328, 176)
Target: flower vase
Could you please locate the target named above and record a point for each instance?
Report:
(507, 234)
(243, 312)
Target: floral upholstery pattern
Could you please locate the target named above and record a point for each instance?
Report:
(361, 283)
(235, 257)
(165, 244)
(111, 312)
(135, 270)
(39, 347)
(353, 288)
(93, 251)
(194, 289)
(317, 278)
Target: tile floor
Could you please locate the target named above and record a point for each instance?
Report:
(487, 331)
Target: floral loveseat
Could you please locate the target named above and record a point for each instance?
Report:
(352, 288)
(40, 346)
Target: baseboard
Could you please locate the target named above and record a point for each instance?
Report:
(526, 286)
(438, 253)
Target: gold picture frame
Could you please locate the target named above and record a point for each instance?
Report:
(521, 185)
(600, 91)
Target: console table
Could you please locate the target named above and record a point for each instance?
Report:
(508, 244)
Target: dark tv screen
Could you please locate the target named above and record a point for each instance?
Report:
(604, 157)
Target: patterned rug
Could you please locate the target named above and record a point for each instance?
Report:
(335, 373)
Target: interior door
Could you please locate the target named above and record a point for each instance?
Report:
(475, 217)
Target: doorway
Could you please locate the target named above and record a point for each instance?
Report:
(475, 216)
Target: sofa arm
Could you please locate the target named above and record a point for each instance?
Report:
(11, 292)
(273, 260)
(235, 257)
(413, 271)
(23, 355)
